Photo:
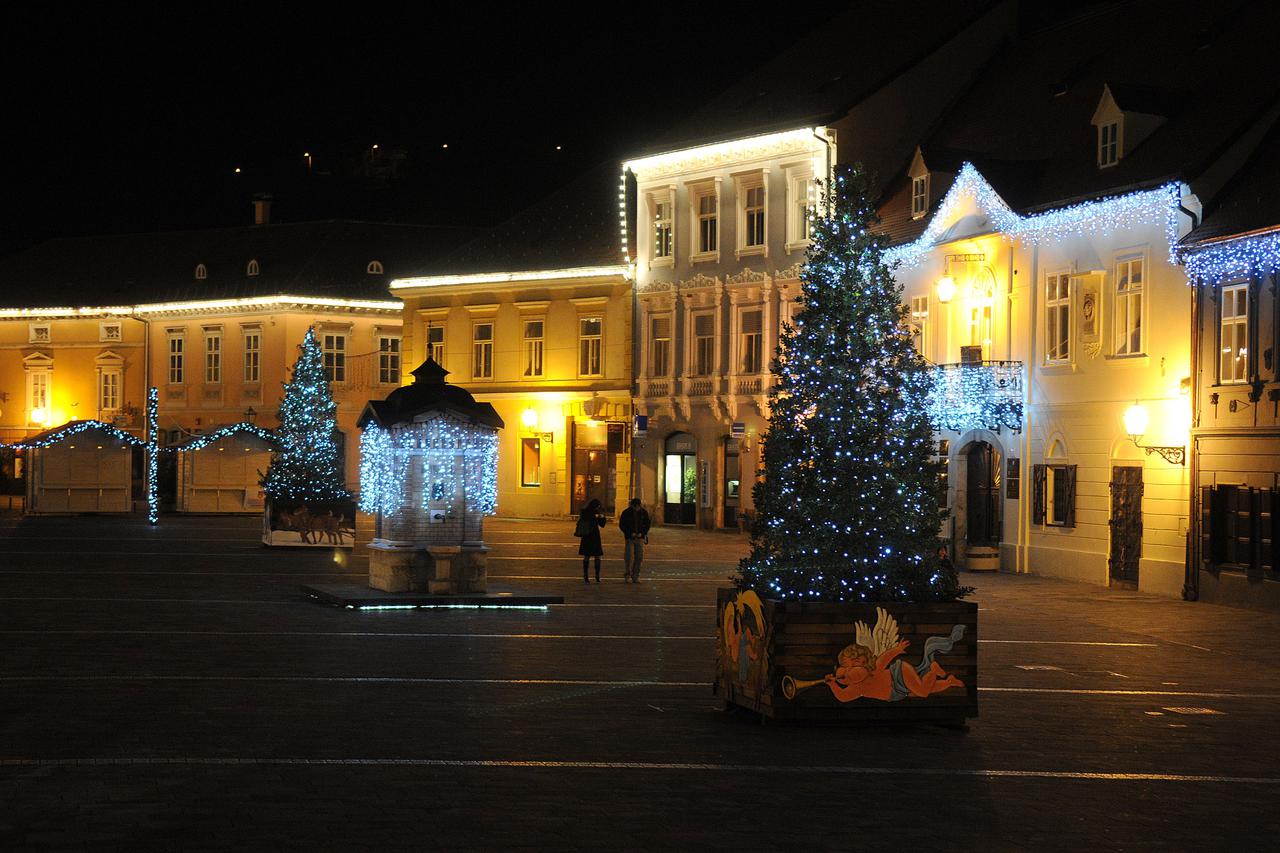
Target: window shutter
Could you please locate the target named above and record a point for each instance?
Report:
(751, 322)
(661, 327)
(1037, 494)
(703, 326)
(1069, 471)
(1218, 525)
(1269, 556)
(1206, 525)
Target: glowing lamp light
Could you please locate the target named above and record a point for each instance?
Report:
(39, 416)
(946, 289)
(529, 417)
(1135, 421)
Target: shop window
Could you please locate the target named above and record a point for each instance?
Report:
(1054, 495)
(530, 462)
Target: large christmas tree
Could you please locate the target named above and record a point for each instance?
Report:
(847, 508)
(306, 466)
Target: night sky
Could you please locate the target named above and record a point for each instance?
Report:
(135, 119)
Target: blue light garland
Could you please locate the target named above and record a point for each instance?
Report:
(153, 438)
(1103, 215)
(1243, 257)
(73, 429)
(439, 447)
(978, 396)
(202, 441)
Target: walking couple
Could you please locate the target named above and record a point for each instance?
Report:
(634, 523)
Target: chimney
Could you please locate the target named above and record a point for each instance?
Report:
(262, 209)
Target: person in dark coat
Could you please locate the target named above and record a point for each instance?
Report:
(634, 523)
(589, 524)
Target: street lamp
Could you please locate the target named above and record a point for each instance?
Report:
(946, 289)
(529, 417)
(1135, 424)
(249, 415)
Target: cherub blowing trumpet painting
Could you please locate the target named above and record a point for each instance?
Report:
(871, 666)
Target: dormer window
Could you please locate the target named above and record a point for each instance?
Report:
(252, 268)
(202, 272)
(919, 196)
(1108, 144)
(374, 268)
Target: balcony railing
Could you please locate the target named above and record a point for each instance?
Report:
(977, 395)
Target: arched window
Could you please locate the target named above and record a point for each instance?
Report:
(253, 268)
(202, 272)
(374, 268)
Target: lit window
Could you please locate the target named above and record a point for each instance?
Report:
(751, 343)
(334, 347)
(482, 351)
(252, 356)
(177, 356)
(753, 216)
(707, 206)
(252, 268)
(799, 207)
(109, 391)
(919, 196)
(1109, 144)
(212, 357)
(389, 359)
(590, 345)
(704, 342)
(662, 225)
(1054, 495)
(435, 342)
(530, 462)
(202, 272)
(38, 382)
(374, 268)
(533, 330)
(1128, 326)
(1234, 360)
(1057, 318)
(920, 323)
(660, 346)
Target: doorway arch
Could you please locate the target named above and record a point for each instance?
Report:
(979, 505)
(680, 479)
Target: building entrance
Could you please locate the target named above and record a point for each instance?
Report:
(680, 480)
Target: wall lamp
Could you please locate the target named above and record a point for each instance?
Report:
(947, 283)
(1135, 424)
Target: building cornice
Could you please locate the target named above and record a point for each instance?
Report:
(207, 306)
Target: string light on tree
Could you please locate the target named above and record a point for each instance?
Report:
(153, 454)
(847, 507)
(306, 465)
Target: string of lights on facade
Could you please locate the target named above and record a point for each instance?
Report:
(1234, 259)
(1103, 215)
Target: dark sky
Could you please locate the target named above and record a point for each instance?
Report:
(134, 118)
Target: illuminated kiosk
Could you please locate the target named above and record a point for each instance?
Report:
(221, 472)
(82, 467)
(428, 475)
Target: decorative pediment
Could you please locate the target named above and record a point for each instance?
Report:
(701, 280)
(748, 276)
(791, 273)
(107, 358)
(37, 361)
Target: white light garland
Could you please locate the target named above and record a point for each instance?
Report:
(73, 429)
(1114, 213)
(202, 441)
(1242, 257)
(439, 447)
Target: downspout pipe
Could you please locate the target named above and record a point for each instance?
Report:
(1191, 572)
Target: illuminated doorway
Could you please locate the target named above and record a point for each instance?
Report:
(680, 480)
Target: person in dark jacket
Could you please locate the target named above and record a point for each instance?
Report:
(634, 523)
(589, 523)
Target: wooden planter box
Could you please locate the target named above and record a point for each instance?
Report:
(799, 661)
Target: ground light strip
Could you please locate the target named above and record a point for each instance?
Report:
(637, 765)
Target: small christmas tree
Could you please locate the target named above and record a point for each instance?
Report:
(306, 467)
(847, 509)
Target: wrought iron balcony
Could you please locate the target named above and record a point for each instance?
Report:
(978, 395)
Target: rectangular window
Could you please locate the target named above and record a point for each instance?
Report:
(704, 343)
(109, 390)
(1233, 364)
(530, 462)
(1109, 144)
(590, 345)
(212, 358)
(177, 347)
(1057, 318)
(1054, 495)
(39, 333)
(533, 344)
(920, 323)
(919, 196)
(660, 346)
(435, 342)
(753, 216)
(38, 394)
(1128, 314)
(799, 204)
(708, 220)
(334, 346)
(109, 332)
(751, 342)
(662, 229)
(252, 356)
(389, 359)
(482, 351)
